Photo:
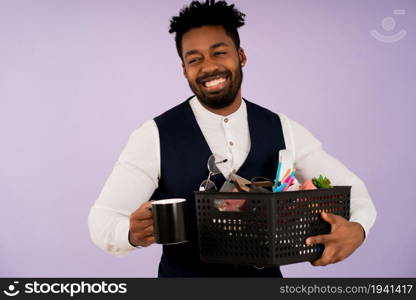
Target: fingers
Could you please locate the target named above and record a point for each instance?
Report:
(337, 244)
(142, 236)
(148, 231)
(144, 212)
(321, 262)
(317, 239)
(143, 229)
(141, 226)
(325, 259)
(331, 218)
(137, 224)
(333, 252)
(148, 241)
(329, 256)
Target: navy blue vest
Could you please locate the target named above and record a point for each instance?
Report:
(184, 154)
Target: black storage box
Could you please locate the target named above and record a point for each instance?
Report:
(270, 229)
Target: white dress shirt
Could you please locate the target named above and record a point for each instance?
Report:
(135, 175)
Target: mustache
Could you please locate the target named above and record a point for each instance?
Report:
(206, 77)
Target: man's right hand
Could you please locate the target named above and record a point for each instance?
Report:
(141, 226)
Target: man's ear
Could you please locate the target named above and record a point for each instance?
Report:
(184, 71)
(242, 56)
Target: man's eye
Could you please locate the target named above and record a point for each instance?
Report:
(220, 53)
(194, 60)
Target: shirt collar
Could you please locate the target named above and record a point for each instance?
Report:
(208, 117)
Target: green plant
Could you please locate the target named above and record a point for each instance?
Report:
(322, 182)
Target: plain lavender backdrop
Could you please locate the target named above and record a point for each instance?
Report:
(77, 77)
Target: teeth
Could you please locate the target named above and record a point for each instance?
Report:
(214, 82)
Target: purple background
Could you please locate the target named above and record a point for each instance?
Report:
(77, 77)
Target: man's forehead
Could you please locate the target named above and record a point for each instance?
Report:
(205, 37)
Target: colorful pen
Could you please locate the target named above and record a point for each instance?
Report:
(276, 181)
(280, 187)
(292, 175)
(286, 174)
(289, 185)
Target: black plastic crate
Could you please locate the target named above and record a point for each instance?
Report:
(270, 229)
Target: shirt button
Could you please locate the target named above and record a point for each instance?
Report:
(226, 120)
(231, 143)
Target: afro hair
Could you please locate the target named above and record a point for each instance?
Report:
(210, 12)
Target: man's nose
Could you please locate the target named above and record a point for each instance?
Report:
(209, 66)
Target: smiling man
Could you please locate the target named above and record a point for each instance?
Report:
(166, 157)
(212, 65)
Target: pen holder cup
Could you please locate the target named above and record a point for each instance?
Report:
(266, 229)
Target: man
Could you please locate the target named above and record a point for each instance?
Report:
(166, 157)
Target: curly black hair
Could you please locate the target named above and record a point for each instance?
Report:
(198, 14)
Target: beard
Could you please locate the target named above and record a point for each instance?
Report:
(219, 99)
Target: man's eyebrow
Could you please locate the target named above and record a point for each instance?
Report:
(217, 45)
(190, 52)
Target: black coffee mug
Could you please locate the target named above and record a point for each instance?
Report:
(170, 221)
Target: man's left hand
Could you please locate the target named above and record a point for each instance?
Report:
(340, 243)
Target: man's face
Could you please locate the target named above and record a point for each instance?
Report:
(212, 65)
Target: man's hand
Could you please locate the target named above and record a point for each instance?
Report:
(141, 226)
(344, 238)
